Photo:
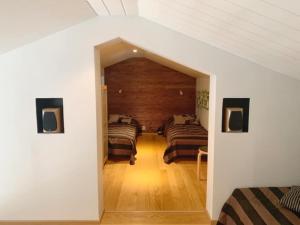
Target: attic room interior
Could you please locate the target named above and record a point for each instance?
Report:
(145, 134)
(149, 112)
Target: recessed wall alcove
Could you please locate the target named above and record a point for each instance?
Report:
(49, 115)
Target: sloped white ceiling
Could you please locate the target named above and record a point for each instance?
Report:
(24, 21)
(263, 31)
(266, 32)
(115, 7)
(118, 50)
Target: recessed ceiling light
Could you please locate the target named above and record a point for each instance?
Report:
(135, 50)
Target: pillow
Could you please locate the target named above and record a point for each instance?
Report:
(179, 119)
(194, 122)
(126, 120)
(124, 116)
(114, 118)
(291, 199)
(190, 119)
(188, 116)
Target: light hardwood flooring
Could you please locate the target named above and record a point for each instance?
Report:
(151, 185)
(155, 218)
(150, 192)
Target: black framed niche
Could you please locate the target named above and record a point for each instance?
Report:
(49, 115)
(235, 115)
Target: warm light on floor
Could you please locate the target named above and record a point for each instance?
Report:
(144, 178)
(152, 185)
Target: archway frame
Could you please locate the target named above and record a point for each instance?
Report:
(211, 130)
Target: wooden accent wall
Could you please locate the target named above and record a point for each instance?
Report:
(150, 91)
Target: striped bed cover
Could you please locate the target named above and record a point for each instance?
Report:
(259, 206)
(122, 140)
(184, 141)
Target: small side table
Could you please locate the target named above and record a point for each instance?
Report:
(202, 151)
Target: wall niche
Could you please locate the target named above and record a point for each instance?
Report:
(49, 115)
(235, 113)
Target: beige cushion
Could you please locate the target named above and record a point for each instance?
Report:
(195, 122)
(189, 117)
(124, 116)
(126, 120)
(179, 119)
(114, 118)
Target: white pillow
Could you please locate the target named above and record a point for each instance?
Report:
(126, 120)
(114, 118)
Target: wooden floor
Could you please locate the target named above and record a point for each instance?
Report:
(151, 185)
(155, 218)
(148, 193)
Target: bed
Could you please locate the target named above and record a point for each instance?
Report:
(122, 140)
(257, 206)
(183, 140)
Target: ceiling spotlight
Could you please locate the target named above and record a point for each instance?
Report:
(135, 50)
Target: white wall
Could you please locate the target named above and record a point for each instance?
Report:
(268, 155)
(48, 176)
(202, 84)
(55, 176)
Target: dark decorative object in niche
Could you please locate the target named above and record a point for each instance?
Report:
(235, 115)
(49, 114)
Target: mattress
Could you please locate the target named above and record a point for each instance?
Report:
(122, 140)
(184, 140)
(259, 206)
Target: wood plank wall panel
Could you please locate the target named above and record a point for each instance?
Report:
(150, 91)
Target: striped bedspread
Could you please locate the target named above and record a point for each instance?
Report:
(184, 141)
(258, 206)
(122, 140)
